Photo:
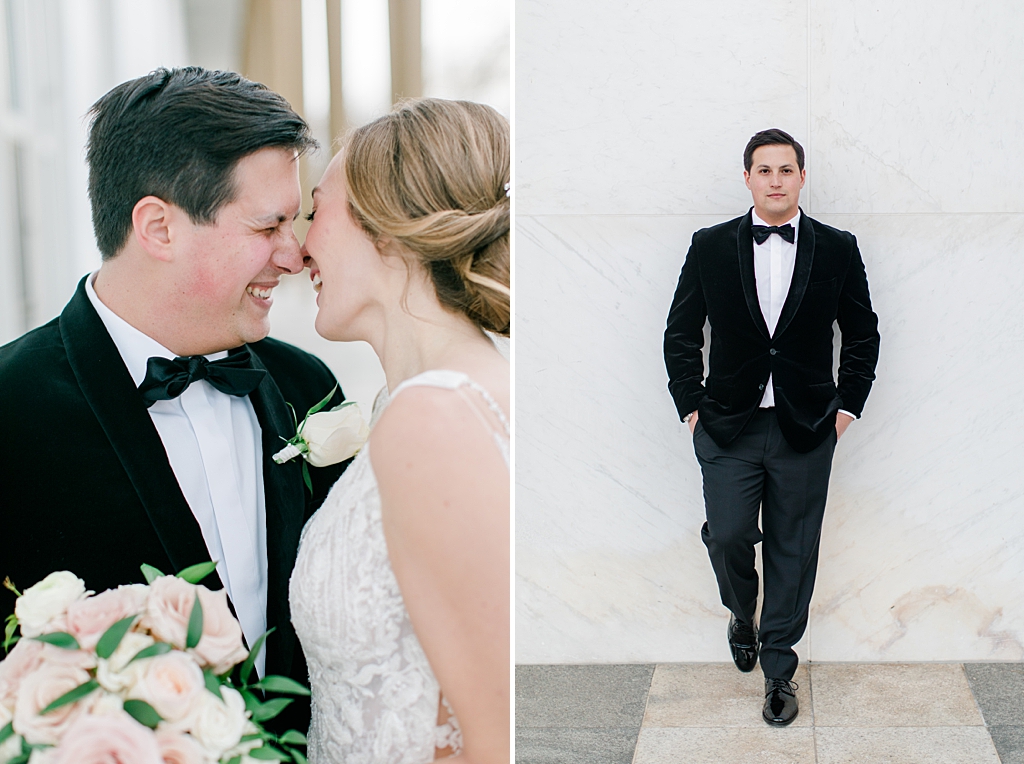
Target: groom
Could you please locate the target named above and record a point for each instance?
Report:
(113, 454)
(766, 421)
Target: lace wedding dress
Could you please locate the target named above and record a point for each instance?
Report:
(375, 698)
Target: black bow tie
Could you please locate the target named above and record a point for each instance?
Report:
(165, 379)
(762, 232)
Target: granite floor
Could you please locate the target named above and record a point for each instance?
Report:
(880, 713)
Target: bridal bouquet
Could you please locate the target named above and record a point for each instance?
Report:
(141, 674)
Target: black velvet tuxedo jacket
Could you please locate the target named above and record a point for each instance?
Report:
(85, 484)
(717, 284)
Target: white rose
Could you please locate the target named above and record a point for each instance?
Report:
(114, 674)
(333, 436)
(218, 724)
(47, 601)
(244, 747)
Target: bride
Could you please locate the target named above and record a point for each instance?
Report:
(400, 593)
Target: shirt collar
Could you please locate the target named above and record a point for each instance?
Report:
(793, 221)
(135, 347)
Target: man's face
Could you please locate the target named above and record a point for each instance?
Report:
(775, 181)
(226, 271)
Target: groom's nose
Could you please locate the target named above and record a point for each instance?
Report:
(288, 256)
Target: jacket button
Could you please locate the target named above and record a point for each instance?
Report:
(760, 387)
(773, 351)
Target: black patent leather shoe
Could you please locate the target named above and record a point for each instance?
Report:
(780, 706)
(742, 644)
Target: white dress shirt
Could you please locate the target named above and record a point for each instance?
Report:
(773, 273)
(213, 445)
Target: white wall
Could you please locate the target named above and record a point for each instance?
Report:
(632, 116)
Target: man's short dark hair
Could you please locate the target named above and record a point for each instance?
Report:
(771, 137)
(178, 134)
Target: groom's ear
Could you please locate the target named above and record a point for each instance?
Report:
(152, 222)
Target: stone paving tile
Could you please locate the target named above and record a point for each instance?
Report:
(551, 745)
(892, 695)
(715, 695)
(736, 745)
(906, 745)
(610, 696)
(1009, 742)
(999, 690)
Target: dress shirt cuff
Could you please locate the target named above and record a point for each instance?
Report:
(844, 411)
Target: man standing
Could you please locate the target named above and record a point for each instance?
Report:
(139, 425)
(766, 421)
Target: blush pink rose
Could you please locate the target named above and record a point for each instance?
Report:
(169, 609)
(176, 748)
(110, 739)
(171, 683)
(221, 645)
(88, 619)
(40, 688)
(25, 657)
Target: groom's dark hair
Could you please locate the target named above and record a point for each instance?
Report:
(771, 137)
(178, 134)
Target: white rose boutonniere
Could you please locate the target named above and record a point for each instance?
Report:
(326, 437)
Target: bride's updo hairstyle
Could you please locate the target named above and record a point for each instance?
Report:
(432, 176)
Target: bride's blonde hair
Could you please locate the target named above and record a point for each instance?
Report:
(432, 176)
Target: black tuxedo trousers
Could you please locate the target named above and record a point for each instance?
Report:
(85, 484)
(759, 473)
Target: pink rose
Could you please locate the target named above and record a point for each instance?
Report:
(111, 739)
(176, 748)
(171, 683)
(221, 645)
(88, 619)
(43, 686)
(169, 609)
(25, 657)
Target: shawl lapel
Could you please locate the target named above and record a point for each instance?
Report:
(745, 251)
(110, 392)
(801, 273)
(284, 494)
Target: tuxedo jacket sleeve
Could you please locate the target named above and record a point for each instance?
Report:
(85, 484)
(717, 284)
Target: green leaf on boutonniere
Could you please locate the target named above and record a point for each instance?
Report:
(196, 573)
(143, 713)
(112, 637)
(235, 760)
(195, 624)
(151, 573)
(282, 684)
(246, 670)
(71, 696)
(7, 731)
(305, 476)
(315, 409)
(59, 639)
(158, 648)
(298, 756)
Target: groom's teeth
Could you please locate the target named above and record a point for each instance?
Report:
(317, 282)
(259, 292)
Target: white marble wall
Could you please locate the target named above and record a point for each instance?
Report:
(631, 117)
